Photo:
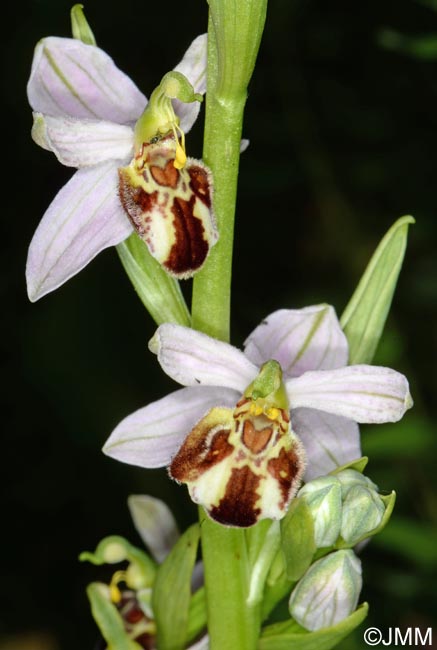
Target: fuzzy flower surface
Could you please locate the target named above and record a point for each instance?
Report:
(326, 397)
(85, 110)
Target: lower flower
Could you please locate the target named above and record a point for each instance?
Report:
(241, 457)
(245, 464)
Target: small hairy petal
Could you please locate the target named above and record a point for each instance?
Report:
(70, 78)
(82, 143)
(155, 524)
(300, 339)
(330, 441)
(84, 218)
(152, 435)
(361, 393)
(191, 358)
(193, 67)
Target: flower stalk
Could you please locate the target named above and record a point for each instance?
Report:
(232, 622)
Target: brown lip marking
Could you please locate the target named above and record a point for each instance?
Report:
(255, 440)
(200, 184)
(136, 202)
(196, 456)
(190, 248)
(167, 176)
(237, 507)
(285, 468)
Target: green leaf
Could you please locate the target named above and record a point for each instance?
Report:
(160, 294)
(79, 26)
(108, 619)
(289, 635)
(365, 315)
(196, 615)
(172, 591)
(297, 539)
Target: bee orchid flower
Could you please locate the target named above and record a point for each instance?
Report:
(241, 447)
(85, 111)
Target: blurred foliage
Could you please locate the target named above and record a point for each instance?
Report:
(343, 141)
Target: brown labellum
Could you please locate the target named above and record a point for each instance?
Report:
(241, 465)
(170, 208)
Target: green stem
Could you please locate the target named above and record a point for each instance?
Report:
(233, 623)
(221, 152)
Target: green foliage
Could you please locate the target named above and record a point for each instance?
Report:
(159, 293)
(287, 635)
(172, 591)
(364, 318)
(297, 538)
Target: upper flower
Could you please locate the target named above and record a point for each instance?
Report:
(326, 397)
(85, 110)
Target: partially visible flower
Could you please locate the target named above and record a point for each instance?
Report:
(326, 397)
(328, 592)
(124, 613)
(85, 110)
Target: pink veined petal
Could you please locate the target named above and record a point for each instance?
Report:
(300, 339)
(82, 143)
(192, 358)
(152, 435)
(155, 524)
(70, 78)
(330, 441)
(193, 67)
(361, 393)
(84, 218)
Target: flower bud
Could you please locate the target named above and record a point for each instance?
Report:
(328, 592)
(363, 508)
(110, 550)
(323, 497)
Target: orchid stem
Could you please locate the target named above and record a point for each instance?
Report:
(221, 152)
(232, 622)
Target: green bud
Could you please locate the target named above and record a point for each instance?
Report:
(110, 550)
(328, 592)
(363, 511)
(114, 549)
(363, 507)
(323, 497)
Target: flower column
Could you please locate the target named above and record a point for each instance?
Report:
(234, 36)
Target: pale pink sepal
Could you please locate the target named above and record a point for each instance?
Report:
(330, 441)
(151, 436)
(82, 143)
(361, 393)
(193, 67)
(70, 78)
(192, 358)
(84, 218)
(155, 524)
(300, 339)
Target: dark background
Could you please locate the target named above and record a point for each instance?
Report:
(343, 141)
